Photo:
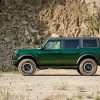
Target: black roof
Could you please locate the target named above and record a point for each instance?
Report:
(64, 38)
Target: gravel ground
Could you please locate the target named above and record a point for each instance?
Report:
(50, 84)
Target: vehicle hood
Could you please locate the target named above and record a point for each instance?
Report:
(28, 51)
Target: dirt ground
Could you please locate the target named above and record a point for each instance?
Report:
(50, 84)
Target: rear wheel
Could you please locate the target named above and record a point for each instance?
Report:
(87, 67)
(27, 67)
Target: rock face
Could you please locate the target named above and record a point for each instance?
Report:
(27, 23)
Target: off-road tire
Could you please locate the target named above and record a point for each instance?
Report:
(78, 71)
(87, 67)
(27, 67)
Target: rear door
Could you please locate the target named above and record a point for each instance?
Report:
(70, 51)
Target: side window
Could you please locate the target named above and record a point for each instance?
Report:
(53, 45)
(70, 44)
(89, 43)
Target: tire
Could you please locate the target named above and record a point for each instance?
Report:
(78, 71)
(27, 67)
(87, 67)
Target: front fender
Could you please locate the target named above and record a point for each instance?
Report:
(34, 57)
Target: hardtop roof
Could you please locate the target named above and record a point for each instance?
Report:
(64, 38)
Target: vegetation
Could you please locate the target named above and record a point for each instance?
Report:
(62, 86)
(97, 97)
(5, 94)
(81, 89)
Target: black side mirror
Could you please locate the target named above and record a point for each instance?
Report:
(42, 47)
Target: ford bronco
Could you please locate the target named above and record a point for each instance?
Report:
(81, 53)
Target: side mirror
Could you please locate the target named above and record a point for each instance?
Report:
(42, 47)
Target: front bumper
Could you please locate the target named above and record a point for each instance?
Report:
(14, 62)
(14, 59)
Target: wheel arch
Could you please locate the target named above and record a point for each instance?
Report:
(27, 56)
(85, 57)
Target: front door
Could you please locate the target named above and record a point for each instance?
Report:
(51, 54)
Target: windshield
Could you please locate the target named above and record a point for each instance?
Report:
(44, 43)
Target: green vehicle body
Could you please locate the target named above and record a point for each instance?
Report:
(59, 58)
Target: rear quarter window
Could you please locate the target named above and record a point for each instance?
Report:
(89, 43)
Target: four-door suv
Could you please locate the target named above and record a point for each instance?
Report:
(80, 53)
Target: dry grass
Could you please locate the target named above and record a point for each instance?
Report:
(56, 97)
(7, 94)
(79, 96)
(81, 89)
(90, 96)
(62, 86)
(97, 97)
(69, 99)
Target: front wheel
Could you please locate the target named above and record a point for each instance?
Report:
(88, 67)
(27, 67)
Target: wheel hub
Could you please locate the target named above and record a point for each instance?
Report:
(27, 67)
(88, 67)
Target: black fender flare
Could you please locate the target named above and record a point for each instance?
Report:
(85, 55)
(28, 56)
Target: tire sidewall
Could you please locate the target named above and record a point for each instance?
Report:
(33, 67)
(94, 67)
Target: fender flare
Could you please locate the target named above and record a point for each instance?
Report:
(28, 55)
(82, 56)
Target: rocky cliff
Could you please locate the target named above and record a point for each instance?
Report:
(27, 23)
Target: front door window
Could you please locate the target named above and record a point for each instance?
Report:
(53, 45)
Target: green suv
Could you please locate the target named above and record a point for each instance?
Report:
(82, 54)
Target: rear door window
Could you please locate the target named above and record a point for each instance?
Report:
(70, 44)
(89, 43)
